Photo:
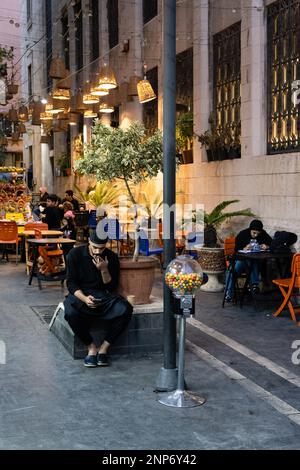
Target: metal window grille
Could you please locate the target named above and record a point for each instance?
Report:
(149, 10)
(113, 23)
(283, 68)
(150, 109)
(227, 88)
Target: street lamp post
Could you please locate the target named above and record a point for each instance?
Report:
(167, 379)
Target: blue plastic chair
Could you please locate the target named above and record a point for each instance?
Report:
(192, 239)
(145, 248)
(92, 222)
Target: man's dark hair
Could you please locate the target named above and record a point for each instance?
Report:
(52, 197)
(69, 192)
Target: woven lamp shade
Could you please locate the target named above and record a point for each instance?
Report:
(106, 107)
(57, 68)
(61, 94)
(132, 88)
(73, 119)
(145, 91)
(21, 128)
(88, 98)
(23, 113)
(107, 79)
(12, 89)
(65, 83)
(46, 116)
(96, 90)
(12, 115)
(9, 96)
(90, 113)
(54, 106)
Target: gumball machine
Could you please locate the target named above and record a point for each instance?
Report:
(184, 277)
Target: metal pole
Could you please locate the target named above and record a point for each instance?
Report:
(181, 353)
(167, 379)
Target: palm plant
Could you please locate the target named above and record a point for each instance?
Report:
(214, 219)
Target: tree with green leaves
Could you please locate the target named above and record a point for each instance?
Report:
(125, 154)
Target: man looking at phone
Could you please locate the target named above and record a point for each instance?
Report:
(92, 277)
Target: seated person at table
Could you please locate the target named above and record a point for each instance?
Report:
(256, 233)
(69, 197)
(52, 215)
(92, 277)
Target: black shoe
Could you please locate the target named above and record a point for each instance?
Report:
(90, 361)
(255, 289)
(228, 298)
(102, 360)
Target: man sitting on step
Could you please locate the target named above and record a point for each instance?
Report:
(92, 277)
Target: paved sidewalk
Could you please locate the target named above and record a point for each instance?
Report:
(50, 401)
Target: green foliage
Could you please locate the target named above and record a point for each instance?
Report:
(126, 154)
(184, 131)
(213, 220)
(64, 161)
(105, 193)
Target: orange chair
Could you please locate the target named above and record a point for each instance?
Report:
(229, 247)
(48, 254)
(287, 288)
(36, 225)
(9, 236)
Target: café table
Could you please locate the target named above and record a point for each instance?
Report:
(38, 242)
(260, 256)
(30, 233)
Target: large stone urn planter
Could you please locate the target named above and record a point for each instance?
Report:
(137, 278)
(212, 262)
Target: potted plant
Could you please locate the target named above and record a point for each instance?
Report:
(213, 141)
(132, 157)
(184, 136)
(211, 255)
(64, 163)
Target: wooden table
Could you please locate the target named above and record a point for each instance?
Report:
(30, 233)
(36, 243)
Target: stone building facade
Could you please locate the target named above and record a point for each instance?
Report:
(264, 180)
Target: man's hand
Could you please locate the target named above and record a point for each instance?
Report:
(248, 247)
(264, 247)
(89, 300)
(100, 263)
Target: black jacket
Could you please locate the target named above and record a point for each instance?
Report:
(244, 237)
(83, 275)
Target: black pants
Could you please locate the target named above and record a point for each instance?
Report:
(81, 325)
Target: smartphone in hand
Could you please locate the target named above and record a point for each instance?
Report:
(97, 301)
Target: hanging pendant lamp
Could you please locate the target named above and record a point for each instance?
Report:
(90, 113)
(23, 113)
(107, 79)
(106, 107)
(145, 90)
(61, 94)
(73, 119)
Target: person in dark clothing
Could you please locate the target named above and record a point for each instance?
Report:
(92, 278)
(69, 196)
(52, 215)
(253, 238)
